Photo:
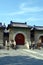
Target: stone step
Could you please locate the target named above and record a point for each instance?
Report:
(21, 47)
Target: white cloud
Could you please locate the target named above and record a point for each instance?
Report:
(33, 9)
(19, 12)
(13, 13)
(24, 8)
(22, 5)
(34, 19)
(16, 13)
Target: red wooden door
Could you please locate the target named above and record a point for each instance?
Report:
(42, 39)
(20, 39)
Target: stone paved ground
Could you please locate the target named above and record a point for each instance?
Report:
(21, 57)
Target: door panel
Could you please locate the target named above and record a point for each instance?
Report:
(20, 39)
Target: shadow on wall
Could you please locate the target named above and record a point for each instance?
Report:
(20, 60)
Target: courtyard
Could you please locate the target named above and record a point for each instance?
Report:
(21, 57)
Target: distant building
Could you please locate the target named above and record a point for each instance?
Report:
(22, 33)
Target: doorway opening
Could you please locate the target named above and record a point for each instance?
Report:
(20, 39)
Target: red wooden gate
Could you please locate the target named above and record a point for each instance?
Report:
(20, 39)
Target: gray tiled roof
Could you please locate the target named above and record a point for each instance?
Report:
(16, 24)
(19, 25)
(37, 27)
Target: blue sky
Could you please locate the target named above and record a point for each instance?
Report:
(30, 11)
